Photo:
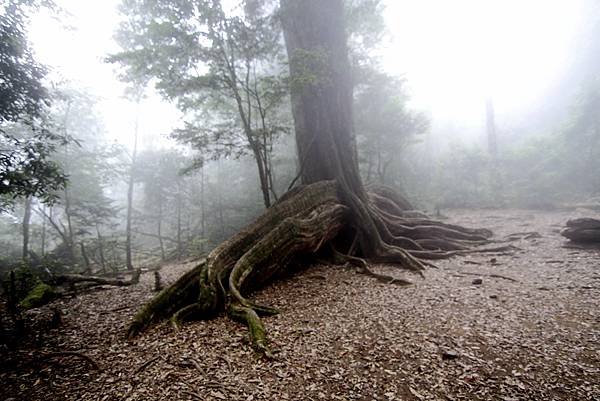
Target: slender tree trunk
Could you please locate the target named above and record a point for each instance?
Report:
(202, 209)
(25, 228)
(492, 142)
(70, 237)
(43, 239)
(267, 141)
(221, 214)
(179, 242)
(101, 249)
(130, 186)
(220, 211)
(86, 260)
(159, 230)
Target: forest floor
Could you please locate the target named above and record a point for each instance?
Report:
(529, 331)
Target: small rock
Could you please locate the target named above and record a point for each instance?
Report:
(493, 260)
(494, 296)
(477, 281)
(450, 354)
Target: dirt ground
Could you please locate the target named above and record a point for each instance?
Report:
(529, 331)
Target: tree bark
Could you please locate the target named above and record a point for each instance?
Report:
(321, 90)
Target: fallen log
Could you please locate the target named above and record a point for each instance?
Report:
(79, 278)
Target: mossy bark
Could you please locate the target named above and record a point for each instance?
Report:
(39, 295)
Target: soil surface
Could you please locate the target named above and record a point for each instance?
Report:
(522, 325)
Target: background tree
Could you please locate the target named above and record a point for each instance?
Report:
(386, 127)
(88, 165)
(26, 140)
(221, 68)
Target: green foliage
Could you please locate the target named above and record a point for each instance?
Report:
(26, 142)
(366, 30)
(22, 94)
(222, 66)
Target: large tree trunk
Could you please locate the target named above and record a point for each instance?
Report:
(330, 207)
(321, 90)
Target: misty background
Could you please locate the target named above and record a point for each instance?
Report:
(435, 81)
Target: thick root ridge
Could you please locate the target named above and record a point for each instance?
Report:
(258, 334)
(171, 299)
(302, 222)
(292, 236)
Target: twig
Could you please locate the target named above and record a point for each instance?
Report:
(196, 365)
(363, 267)
(146, 364)
(493, 275)
(50, 355)
(227, 362)
(116, 309)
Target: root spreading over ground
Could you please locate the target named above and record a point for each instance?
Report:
(310, 220)
(343, 337)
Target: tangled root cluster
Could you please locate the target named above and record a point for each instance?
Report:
(314, 218)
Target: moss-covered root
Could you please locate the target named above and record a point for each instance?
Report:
(39, 295)
(186, 313)
(256, 329)
(181, 293)
(307, 232)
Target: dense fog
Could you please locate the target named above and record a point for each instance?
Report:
(194, 175)
(138, 133)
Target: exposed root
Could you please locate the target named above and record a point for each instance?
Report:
(499, 249)
(256, 328)
(302, 222)
(145, 365)
(171, 299)
(363, 268)
(61, 354)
